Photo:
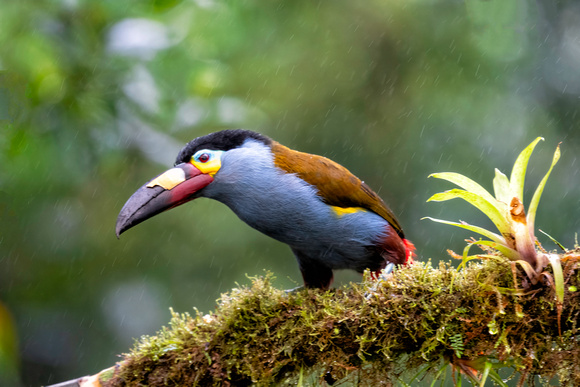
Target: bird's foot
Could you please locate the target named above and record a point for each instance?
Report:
(295, 290)
(382, 275)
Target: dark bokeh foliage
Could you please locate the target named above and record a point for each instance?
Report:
(97, 97)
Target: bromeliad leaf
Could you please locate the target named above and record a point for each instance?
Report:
(530, 271)
(558, 276)
(536, 198)
(493, 213)
(480, 230)
(466, 183)
(512, 254)
(501, 188)
(518, 175)
(558, 286)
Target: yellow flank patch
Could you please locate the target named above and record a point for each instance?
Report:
(341, 211)
(169, 179)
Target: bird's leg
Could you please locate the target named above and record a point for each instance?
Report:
(314, 273)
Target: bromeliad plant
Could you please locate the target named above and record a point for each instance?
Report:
(506, 210)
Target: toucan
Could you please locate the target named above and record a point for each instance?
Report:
(330, 218)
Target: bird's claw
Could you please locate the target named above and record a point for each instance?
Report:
(382, 276)
(295, 290)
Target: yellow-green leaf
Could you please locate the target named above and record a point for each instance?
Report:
(558, 276)
(493, 213)
(465, 183)
(480, 230)
(518, 175)
(502, 248)
(536, 198)
(501, 188)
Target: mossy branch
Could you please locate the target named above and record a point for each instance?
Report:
(374, 333)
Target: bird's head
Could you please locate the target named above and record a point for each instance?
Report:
(195, 168)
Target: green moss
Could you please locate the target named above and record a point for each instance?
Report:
(374, 333)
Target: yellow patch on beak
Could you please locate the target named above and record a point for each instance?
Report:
(341, 211)
(169, 179)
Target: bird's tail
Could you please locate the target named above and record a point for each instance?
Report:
(409, 251)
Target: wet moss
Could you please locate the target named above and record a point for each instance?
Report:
(374, 333)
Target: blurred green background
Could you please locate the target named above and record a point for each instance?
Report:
(97, 97)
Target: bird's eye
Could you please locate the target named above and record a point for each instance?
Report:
(203, 158)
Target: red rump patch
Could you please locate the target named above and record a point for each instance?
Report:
(409, 251)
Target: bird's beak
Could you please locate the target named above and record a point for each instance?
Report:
(168, 190)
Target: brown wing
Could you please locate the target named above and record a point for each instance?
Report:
(336, 185)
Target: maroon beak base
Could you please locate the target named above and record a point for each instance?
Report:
(149, 201)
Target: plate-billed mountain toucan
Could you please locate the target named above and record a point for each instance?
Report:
(329, 218)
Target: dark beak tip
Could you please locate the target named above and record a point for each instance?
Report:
(123, 224)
